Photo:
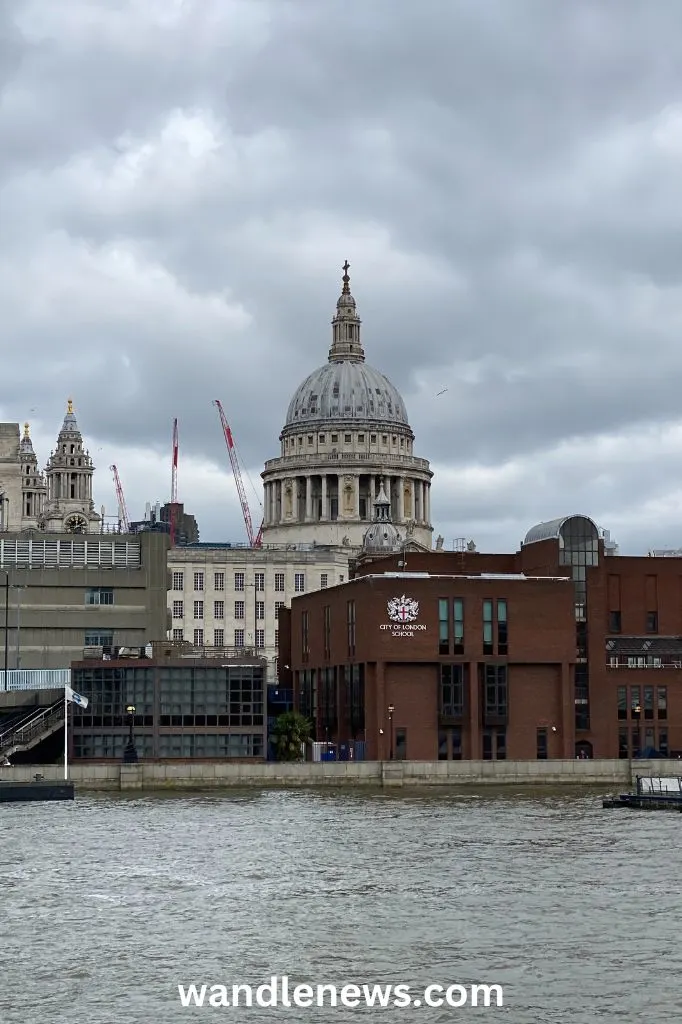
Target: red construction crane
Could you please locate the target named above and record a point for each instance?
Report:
(173, 510)
(122, 510)
(254, 542)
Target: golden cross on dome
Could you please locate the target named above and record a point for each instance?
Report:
(346, 278)
(69, 407)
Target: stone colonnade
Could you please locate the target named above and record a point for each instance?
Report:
(327, 497)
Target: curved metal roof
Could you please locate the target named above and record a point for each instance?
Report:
(551, 530)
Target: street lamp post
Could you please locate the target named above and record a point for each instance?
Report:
(638, 712)
(5, 676)
(391, 709)
(130, 752)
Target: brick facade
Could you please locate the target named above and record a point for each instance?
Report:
(591, 668)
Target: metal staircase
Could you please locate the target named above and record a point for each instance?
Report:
(32, 729)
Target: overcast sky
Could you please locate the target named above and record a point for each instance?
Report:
(181, 181)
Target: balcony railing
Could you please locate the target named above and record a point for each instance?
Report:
(336, 458)
(648, 661)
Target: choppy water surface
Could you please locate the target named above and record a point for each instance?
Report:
(108, 903)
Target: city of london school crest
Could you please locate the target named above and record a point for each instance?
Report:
(403, 609)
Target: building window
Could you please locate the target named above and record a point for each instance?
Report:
(458, 621)
(276, 638)
(239, 581)
(614, 622)
(239, 638)
(350, 620)
(218, 637)
(347, 439)
(322, 439)
(102, 638)
(335, 438)
(635, 706)
(260, 609)
(260, 580)
(198, 609)
(541, 745)
(622, 702)
(452, 690)
(623, 744)
(649, 702)
(323, 580)
(198, 638)
(299, 582)
(305, 636)
(278, 605)
(178, 581)
(327, 630)
(178, 634)
(99, 595)
(361, 438)
(487, 627)
(495, 694)
(663, 742)
(219, 581)
(443, 626)
(494, 744)
(239, 609)
(662, 702)
(218, 609)
(652, 622)
(401, 744)
(279, 582)
(198, 581)
(502, 627)
(260, 638)
(372, 438)
(178, 609)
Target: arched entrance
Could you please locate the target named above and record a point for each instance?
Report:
(584, 749)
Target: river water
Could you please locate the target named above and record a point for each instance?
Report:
(109, 903)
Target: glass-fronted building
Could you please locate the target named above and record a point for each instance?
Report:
(186, 708)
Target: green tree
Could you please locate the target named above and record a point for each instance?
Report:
(290, 731)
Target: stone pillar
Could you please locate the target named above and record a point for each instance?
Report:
(387, 489)
(356, 496)
(324, 512)
(339, 496)
(420, 485)
(401, 499)
(372, 495)
(308, 498)
(427, 503)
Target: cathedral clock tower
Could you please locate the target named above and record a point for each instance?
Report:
(69, 506)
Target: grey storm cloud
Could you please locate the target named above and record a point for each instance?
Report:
(180, 183)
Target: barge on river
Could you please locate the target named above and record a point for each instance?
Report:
(652, 793)
(39, 789)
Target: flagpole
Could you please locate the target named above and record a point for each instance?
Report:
(66, 737)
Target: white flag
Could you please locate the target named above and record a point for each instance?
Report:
(75, 697)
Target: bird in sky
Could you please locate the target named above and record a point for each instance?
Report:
(441, 392)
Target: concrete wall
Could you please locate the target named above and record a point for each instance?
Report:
(48, 614)
(617, 774)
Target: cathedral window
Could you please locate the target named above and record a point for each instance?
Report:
(347, 439)
(322, 438)
(361, 438)
(335, 438)
(310, 439)
(372, 438)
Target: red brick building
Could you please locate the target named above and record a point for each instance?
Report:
(558, 650)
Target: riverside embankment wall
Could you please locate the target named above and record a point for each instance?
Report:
(152, 776)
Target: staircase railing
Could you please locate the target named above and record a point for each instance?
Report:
(16, 721)
(37, 724)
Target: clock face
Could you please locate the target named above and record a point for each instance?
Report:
(76, 524)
